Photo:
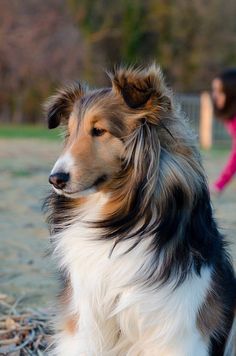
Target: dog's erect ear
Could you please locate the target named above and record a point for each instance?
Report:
(138, 86)
(59, 106)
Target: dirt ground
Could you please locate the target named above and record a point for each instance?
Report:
(25, 271)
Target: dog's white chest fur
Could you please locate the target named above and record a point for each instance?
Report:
(118, 315)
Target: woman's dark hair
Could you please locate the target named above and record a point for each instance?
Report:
(228, 79)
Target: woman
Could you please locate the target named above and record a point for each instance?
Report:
(224, 99)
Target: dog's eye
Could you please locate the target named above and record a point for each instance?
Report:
(98, 132)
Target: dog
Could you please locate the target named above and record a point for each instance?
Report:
(144, 269)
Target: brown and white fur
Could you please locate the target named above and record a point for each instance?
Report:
(143, 267)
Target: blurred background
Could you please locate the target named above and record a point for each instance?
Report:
(44, 44)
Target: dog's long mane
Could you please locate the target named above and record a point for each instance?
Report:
(161, 190)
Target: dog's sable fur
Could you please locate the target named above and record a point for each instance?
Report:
(147, 225)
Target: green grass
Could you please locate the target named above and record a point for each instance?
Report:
(41, 132)
(216, 151)
(21, 173)
(28, 131)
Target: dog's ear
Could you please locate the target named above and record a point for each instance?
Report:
(59, 106)
(140, 87)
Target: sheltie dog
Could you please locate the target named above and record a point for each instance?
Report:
(143, 266)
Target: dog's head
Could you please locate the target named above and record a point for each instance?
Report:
(105, 129)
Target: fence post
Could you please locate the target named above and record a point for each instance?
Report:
(206, 121)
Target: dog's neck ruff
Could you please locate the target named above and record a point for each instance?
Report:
(108, 290)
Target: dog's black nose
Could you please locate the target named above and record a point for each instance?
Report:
(59, 179)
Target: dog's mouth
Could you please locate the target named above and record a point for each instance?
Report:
(93, 188)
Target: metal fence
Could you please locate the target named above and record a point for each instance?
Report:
(190, 104)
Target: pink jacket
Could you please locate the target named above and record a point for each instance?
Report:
(230, 168)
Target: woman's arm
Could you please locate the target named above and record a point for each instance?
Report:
(228, 171)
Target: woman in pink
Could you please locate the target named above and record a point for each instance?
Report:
(224, 99)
